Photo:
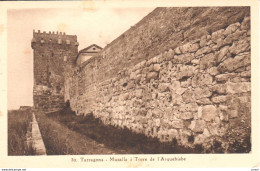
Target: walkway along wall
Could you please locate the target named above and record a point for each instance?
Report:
(198, 93)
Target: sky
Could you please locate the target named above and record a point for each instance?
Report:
(92, 26)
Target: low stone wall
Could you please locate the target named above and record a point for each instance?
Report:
(198, 94)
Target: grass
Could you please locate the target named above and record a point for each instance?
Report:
(18, 127)
(60, 140)
(65, 133)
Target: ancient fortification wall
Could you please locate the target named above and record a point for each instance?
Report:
(194, 88)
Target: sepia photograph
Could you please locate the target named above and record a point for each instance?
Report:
(117, 81)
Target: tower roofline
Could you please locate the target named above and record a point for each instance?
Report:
(39, 32)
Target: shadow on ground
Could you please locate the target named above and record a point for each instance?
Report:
(116, 140)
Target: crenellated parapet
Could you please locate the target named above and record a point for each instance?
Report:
(51, 38)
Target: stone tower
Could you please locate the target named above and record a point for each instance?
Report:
(54, 54)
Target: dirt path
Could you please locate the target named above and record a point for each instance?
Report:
(59, 140)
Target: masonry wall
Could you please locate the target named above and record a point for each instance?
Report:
(198, 93)
(50, 65)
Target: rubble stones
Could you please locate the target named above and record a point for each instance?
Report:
(189, 47)
(231, 64)
(241, 87)
(201, 80)
(197, 126)
(152, 75)
(207, 61)
(208, 112)
(219, 99)
(231, 29)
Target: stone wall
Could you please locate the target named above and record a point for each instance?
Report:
(53, 53)
(161, 30)
(198, 93)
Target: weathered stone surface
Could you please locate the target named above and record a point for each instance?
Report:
(189, 47)
(204, 101)
(195, 61)
(245, 25)
(141, 112)
(176, 99)
(223, 116)
(186, 83)
(207, 61)
(164, 87)
(202, 92)
(214, 129)
(152, 61)
(219, 88)
(206, 133)
(243, 45)
(152, 75)
(124, 96)
(217, 34)
(186, 115)
(201, 80)
(173, 133)
(242, 87)
(234, 37)
(203, 50)
(224, 77)
(203, 41)
(231, 29)
(139, 93)
(157, 112)
(199, 139)
(177, 50)
(219, 99)
(232, 114)
(208, 112)
(239, 79)
(190, 107)
(177, 124)
(197, 126)
(231, 64)
(184, 74)
(154, 67)
(222, 53)
(176, 85)
(188, 96)
(170, 54)
(213, 71)
(182, 59)
(246, 74)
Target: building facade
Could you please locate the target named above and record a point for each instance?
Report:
(87, 53)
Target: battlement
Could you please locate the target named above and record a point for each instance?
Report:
(49, 33)
(53, 38)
